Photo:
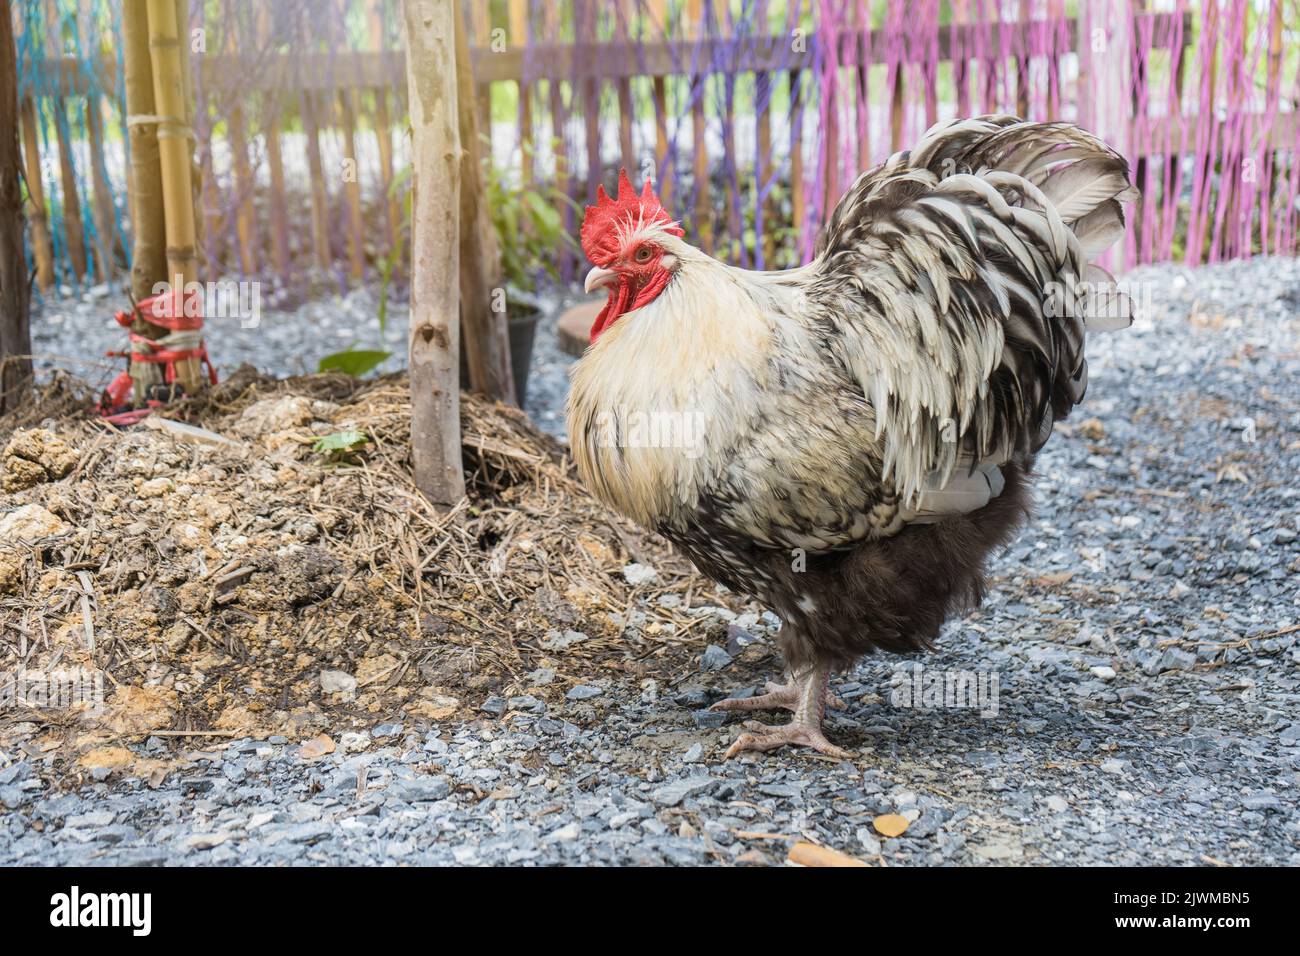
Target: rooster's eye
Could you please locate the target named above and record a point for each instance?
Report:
(643, 254)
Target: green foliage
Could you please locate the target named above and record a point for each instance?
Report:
(529, 227)
(342, 447)
(354, 362)
(528, 223)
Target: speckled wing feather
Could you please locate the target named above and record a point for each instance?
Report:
(951, 284)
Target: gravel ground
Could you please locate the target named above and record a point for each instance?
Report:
(1141, 632)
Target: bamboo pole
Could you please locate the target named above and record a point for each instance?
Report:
(435, 250)
(148, 249)
(15, 328)
(173, 138)
(42, 244)
(482, 307)
(149, 241)
(174, 161)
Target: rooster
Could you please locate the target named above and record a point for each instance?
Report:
(869, 419)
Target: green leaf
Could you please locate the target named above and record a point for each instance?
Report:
(343, 442)
(544, 215)
(354, 362)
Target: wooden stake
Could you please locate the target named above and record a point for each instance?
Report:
(763, 157)
(42, 244)
(435, 250)
(319, 198)
(279, 205)
(103, 211)
(703, 218)
(554, 30)
(482, 297)
(245, 226)
(584, 26)
(384, 131)
(74, 230)
(518, 10)
(15, 330)
(102, 208)
(352, 186)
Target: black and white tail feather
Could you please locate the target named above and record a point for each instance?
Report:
(955, 284)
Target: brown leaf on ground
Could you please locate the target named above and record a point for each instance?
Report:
(810, 854)
(316, 747)
(890, 824)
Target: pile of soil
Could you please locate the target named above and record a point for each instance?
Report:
(230, 575)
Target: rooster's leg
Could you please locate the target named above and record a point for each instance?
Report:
(805, 730)
(778, 697)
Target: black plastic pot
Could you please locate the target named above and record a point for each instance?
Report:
(521, 325)
(522, 321)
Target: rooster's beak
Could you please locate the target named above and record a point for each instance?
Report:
(598, 277)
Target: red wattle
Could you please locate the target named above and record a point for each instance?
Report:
(615, 306)
(621, 300)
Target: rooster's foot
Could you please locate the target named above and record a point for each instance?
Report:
(778, 697)
(808, 697)
(764, 737)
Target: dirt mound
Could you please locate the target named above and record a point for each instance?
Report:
(266, 566)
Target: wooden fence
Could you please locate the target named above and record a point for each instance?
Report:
(752, 116)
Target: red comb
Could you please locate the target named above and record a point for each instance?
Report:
(599, 235)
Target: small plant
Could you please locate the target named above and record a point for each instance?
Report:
(342, 448)
(529, 227)
(528, 224)
(354, 362)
